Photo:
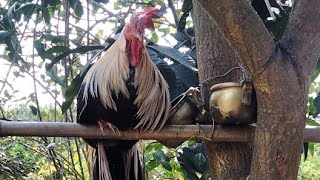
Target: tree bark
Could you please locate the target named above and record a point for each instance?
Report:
(228, 160)
(282, 87)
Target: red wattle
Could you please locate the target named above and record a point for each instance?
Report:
(136, 48)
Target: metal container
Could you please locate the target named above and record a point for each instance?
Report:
(185, 107)
(184, 111)
(233, 103)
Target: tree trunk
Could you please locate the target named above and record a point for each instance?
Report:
(215, 57)
(281, 83)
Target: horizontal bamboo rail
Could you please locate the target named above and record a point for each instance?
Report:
(177, 132)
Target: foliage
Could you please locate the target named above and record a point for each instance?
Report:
(309, 169)
(29, 156)
(53, 43)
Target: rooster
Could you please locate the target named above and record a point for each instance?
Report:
(123, 90)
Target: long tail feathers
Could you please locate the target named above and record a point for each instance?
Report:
(128, 157)
(90, 158)
(108, 167)
(104, 171)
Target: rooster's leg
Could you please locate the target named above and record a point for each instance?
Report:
(102, 124)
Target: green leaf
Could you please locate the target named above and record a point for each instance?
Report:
(3, 36)
(183, 21)
(182, 38)
(40, 49)
(187, 76)
(206, 175)
(186, 165)
(46, 15)
(193, 161)
(16, 73)
(160, 155)
(71, 92)
(101, 1)
(26, 9)
(311, 148)
(311, 122)
(77, 7)
(199, 158)
(53, 2)
(187, 4)
(34, 110)
(57, 50)
(192, 176)
(154, 145)
(166, 165)
(7, 19)
(54, 76)
(186, 8)
(57, 39)
(316, 103)
(151, 165)
(74, 87)
(175, 55)
(81, 49)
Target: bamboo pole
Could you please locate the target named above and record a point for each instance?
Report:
(177, 132)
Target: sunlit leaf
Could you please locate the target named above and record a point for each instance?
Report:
(81, 50)
(175, 55)
(77, 7)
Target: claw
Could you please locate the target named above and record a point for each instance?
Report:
(102, 124)
(112, 127)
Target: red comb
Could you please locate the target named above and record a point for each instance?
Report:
(144, 18)
(150, 12)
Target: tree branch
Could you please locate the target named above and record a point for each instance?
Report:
(174, 12)
(177, 132)
(243, 29)
(302, 35)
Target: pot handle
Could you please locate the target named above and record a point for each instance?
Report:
(247, 88)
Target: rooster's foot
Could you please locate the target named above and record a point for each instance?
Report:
(102, 124)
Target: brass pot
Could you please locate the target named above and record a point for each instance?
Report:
(185, 107)
(233, 103)
(184, 111)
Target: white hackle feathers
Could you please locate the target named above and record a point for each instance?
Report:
(108, 75)
(153, 95)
